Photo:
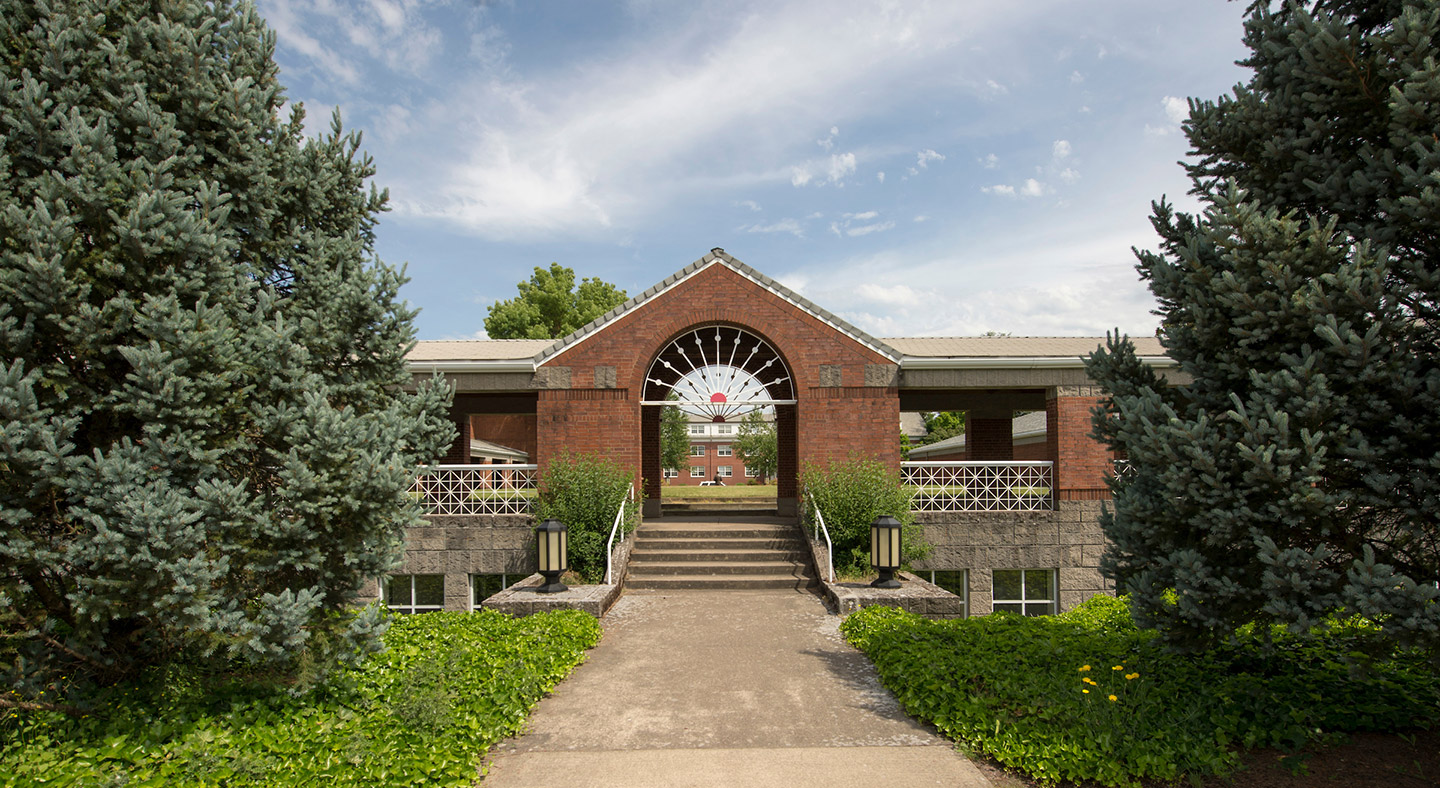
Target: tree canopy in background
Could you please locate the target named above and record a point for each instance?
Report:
(1298, 475)
(757, 445)
(205, 440)
(674, 436)
(551, 306)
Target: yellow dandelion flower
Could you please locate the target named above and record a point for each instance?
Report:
(1113, 698)
(1087, 692)
(1118, 667)
(1131, 676)
(1084, 668)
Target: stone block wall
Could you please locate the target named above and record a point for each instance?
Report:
(1068, 540)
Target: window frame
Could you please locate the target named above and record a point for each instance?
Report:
(505, 582)
(697, 471)
(1048, 605)
(724, 451)
(411, 608)
(964, 585)
(724, 471)
(697, 450)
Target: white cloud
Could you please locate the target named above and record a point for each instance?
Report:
(849, 225)
(880, 176)
(1032, 188)
(1000, 189)
(1076, 77)
(924, 157)
(864, 217)
(783, 226)
(990, 162)
(1069, 176)
(1060, 149)
(1176, 109)
(894, 295)
(751, 204)
(799, 176)
(995, 88)
(840, 166)
(921, 218)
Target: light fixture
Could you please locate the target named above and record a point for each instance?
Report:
(551, 555)
(885, 550)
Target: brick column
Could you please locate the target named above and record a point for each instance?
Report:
(787, 460)
(989, 438)
(1081, 462)
(459, 451)
(650, 458)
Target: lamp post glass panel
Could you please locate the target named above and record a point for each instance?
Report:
(550, 546)
(885, 550)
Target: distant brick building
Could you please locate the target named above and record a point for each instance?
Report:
(833, 389)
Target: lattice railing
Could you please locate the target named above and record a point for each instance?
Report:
(979, 486)
(476, 489)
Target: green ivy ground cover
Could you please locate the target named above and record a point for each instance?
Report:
(1088, 696)
(422, 712)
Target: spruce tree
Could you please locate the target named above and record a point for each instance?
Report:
(206, 440)
(1294, 472)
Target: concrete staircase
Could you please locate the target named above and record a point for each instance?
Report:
(719, 552)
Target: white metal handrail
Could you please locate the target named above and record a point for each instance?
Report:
(979, 485)
(609, 544)
(476, 489)
(819, 529)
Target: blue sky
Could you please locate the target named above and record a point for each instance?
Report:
(921, 169)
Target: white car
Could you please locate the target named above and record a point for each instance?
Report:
(712, 483)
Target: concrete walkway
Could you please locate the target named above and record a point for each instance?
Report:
(724, 688)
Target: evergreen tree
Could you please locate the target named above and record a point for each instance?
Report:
(550, 306)
(204, 434)
(757, 445)
(1297, 473)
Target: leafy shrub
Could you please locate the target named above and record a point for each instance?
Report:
(423, 711)
(584, 491)
(851, 494)
(1089, 696)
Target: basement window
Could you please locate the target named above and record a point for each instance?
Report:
(415, 593)
(1029, 592)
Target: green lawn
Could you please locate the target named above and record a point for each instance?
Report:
(738, 492)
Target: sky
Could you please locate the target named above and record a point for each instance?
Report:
(918, 168)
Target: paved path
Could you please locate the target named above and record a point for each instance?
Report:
(724, 688)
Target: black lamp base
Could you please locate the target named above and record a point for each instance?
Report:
(552, 584)
(886, 580)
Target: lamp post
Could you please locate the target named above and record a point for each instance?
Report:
(885, 550)
(552, 555)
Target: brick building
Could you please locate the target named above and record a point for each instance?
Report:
(725, 338)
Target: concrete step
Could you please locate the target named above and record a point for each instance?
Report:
(700, 531)
(717, 568)
(653, 543)
(720, 582)
(690, 553)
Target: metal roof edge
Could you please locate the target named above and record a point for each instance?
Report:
(489, 365)
(1016, 362)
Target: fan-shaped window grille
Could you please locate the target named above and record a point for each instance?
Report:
(719, 372)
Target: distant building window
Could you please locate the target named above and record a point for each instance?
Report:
(723, 471)
(723, 451)
(697, 471)
(671, 473)
(415, 593)
(697, 451)
(957, 582)
(697, 429)
(1029, 592)
(751, 473)
(482, 587)
(723, 429)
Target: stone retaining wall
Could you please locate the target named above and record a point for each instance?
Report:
(1068, 539)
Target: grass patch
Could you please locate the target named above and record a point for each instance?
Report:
(739, 492)
(422, 712)
(1088, 696)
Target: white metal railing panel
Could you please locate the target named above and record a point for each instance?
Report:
(476, 489)
(979, 486)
